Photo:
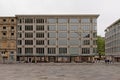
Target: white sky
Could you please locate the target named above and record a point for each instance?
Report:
(108, 9)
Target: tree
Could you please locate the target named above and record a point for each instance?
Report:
(101, 46)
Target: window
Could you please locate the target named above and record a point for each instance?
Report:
(52, 35)
(51, 27)
(19, 42)
(39, 35)
(28, 35)
(74, 20)
(40, 50)
(94, 42)
(52, 20)
(86, 42)
(19, 35)
(28, 27)
(94, 50)
(12, 52)
(62, 34)
(4, 20)
(62, 50)
(51, 50)
(19, 28)
(95, 28)
(62, 41)
(4, 34)
(19, 20)
(74, 50)
(85, 50)
(74, 35)
(74, 42)
(95, 35)
(28, 50)
(12, 20)
(40, 27)
(19, 50)
(28, 42)
(12, 27)
(62, 28)
(52, 42)
(85, 20)
(94, 20)
(63, 20)
(12, 34)
(28, 20)
(39, 42)
(39, 20)
(4, 27)
(86, 28)
(86, 35)
(74, 28)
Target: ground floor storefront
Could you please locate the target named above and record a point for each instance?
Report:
(56, 59)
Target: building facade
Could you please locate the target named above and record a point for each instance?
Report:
(56, 38)
(112, 41)
(7, 39)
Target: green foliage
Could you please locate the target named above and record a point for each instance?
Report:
(101, 46)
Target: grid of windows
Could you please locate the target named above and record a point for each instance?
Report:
(73, 27)
(52, 20)
(39, 42)
(86, 42)
(62, 28)
(19, 50)
(28, 42)
(19, 35)
(19, 27)
(52, 35)
(28, 20)
(74, 20)
(85, 50)
(28, 50)
(86, 35)
(52, 42)
(86, 28)
(62, 20)
(39, 20)
(19, 42)
(51, 50)
(85, 20)
(51, 27)
(28, 27)
(40, 35)
(40, 50)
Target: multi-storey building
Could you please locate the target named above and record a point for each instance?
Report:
(56, 38)
(112, 41)
(7, 39)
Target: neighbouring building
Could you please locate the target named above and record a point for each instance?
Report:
(112, 41)
(56, 38)
(7, 39)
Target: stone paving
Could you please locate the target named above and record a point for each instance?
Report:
(60, 71)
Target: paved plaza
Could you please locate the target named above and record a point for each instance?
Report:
(60, 71)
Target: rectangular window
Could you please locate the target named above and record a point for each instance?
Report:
(74, 28)
(28, 50)
(63, 20)
(94, 28)
(39, 42)
(85, 20)
(52, 20)
(86, 42)
(52, 35)
(4, 27)
(86, 35)
(19, 27)
(19, 50)
(51, 28)
(94, 42)
(40, 50)
(74, 20)
(62, 28)
(95, 35)
(85, 50)
(94, 50)
(74, 35)
(39, 35)
(40, 27)
(28, 27)
(51, 50)
(74, 50)
(4, 33)
(62, 34)
(28, 20)
(74, 42)
(28, 35)
(19, 35)
(12, 34)
(62, 50)
(52, 42)
(19, 20)
(19, 42)
(39, 20)
(86, 28)
(28, 42)
(62, 41)
(12, 27)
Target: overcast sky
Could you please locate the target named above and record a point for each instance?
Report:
(108, 9)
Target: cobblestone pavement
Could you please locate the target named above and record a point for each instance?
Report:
(60, 71)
